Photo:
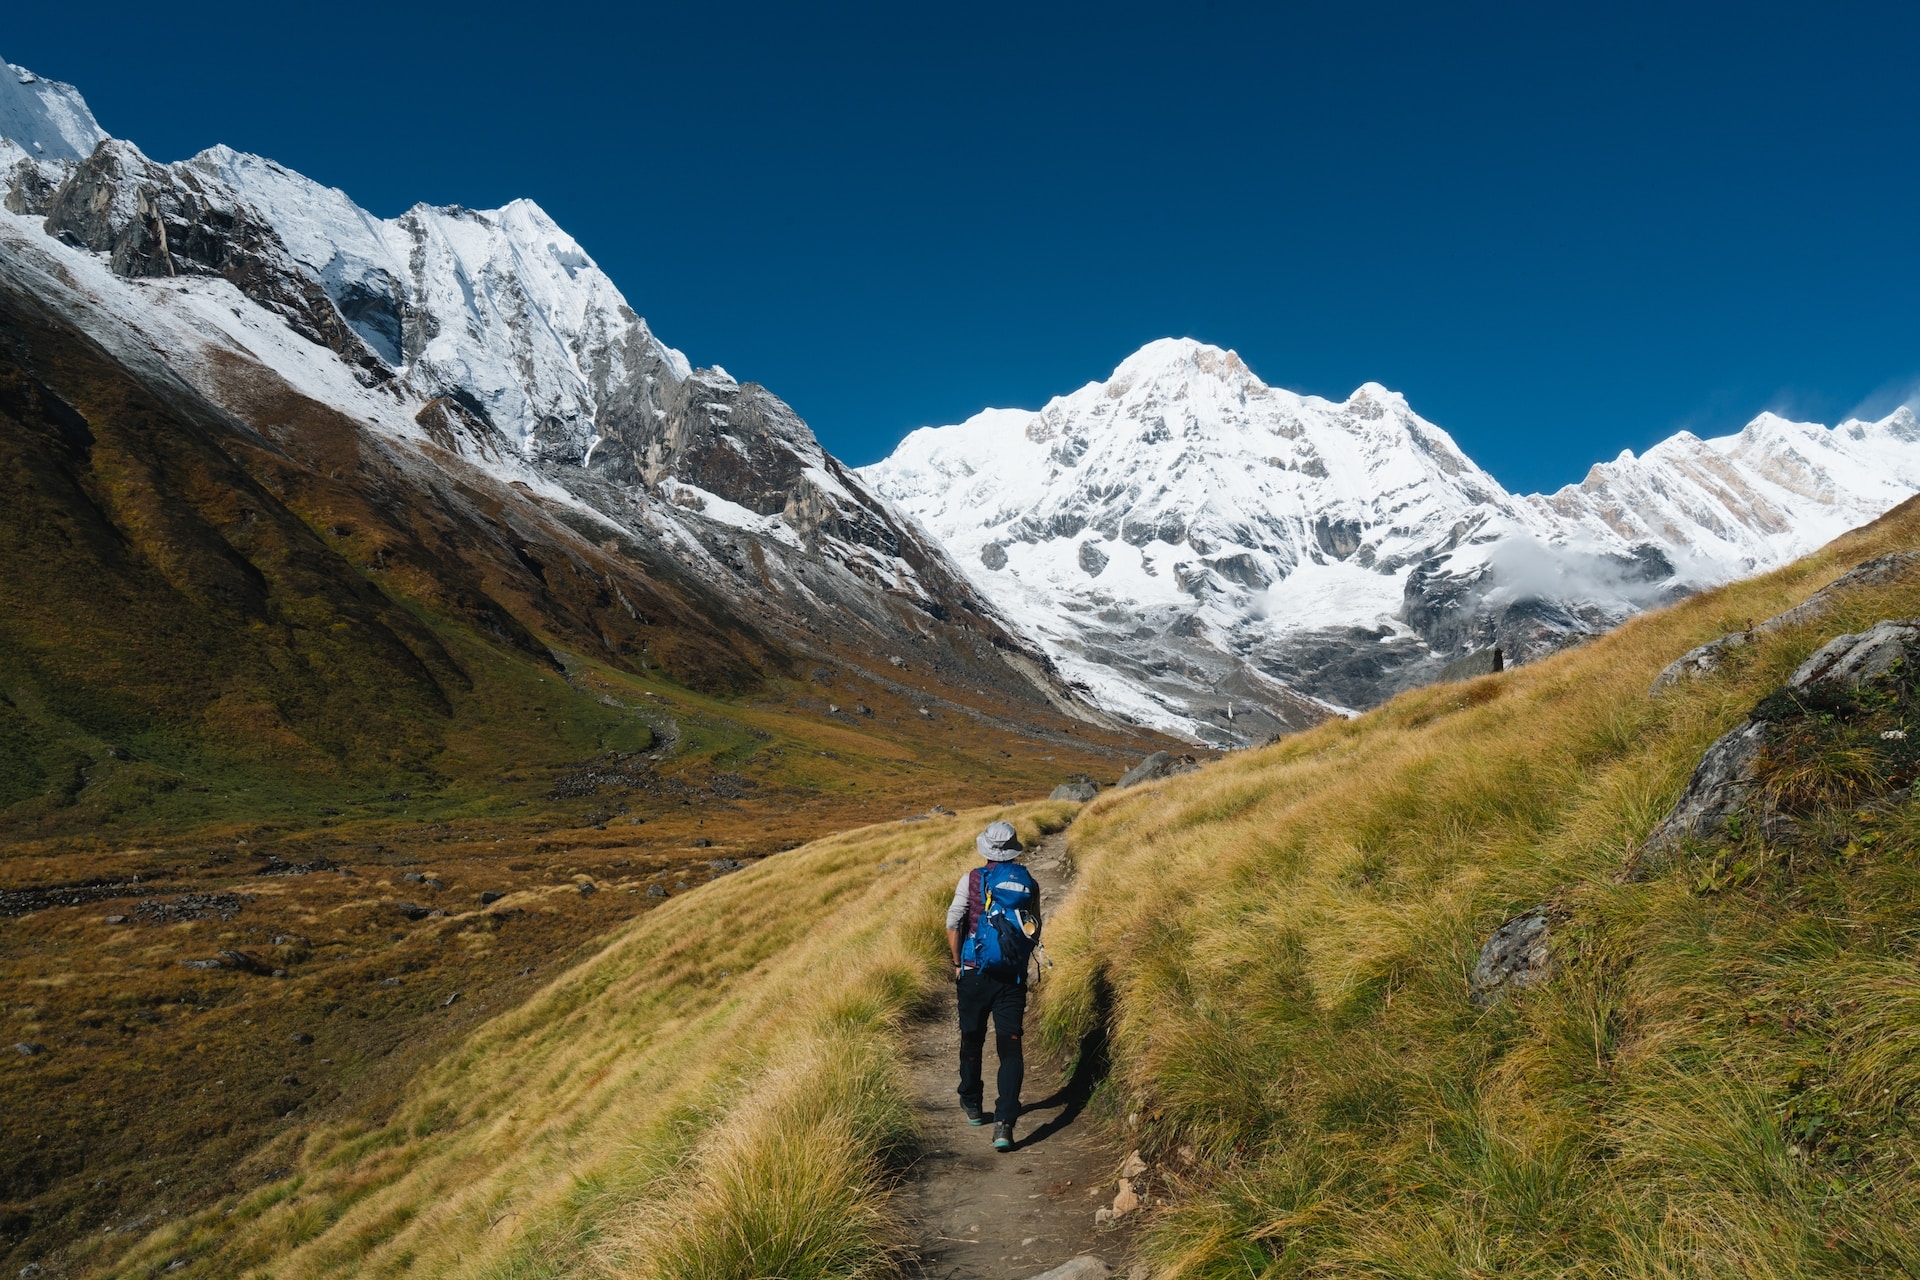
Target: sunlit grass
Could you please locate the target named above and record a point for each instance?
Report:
(1711, 1085)
(717, 1093)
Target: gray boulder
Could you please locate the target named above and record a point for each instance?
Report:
(1701, 661)
(1079, 791)
(1717, 790)
(1161, 764)
(1516, 957)
(1854, 659)
(1484, 662)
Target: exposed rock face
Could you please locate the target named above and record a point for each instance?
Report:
(1707, 658)
(1516, 957)
(1718, 789)
(1852, 660)
(1161, 764)
(1485, 662)
(1723, 784)
(150, 220)
(1079, 791)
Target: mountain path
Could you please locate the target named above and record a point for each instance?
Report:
(986, 1216)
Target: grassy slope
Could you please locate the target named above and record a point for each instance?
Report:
(1717, 1081)
(714, 1093)
(227, 657)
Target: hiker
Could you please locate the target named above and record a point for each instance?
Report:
(993, 925)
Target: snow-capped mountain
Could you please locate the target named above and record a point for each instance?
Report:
(44, 118)
(1222, 558)
(484, 341)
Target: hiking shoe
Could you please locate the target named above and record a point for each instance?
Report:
(974, 1115)
(1003, 1136)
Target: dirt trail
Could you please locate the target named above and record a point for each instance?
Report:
(987, 1216)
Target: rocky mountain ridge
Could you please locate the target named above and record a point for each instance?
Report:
(1224, 559)
(487, 341)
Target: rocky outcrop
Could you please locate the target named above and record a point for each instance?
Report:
(1516, 957)
(151, 220)
(1724, 784)
(1079, 791)
(1707, 658)
(1852, 660)
(1161, 764)
(1717, 790)
(1484, 662)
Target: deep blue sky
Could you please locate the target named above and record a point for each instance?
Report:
(1561, 231)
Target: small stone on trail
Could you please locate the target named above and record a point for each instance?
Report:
(1084, 1267)
(1080, 791)
(116, 919)
(656, 891)
(1103, 1217)
(28, 1049)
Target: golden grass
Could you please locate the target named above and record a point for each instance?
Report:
(1714, 1083)
(716, 1094)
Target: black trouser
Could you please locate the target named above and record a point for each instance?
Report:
(980, 996)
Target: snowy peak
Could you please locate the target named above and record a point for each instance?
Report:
(486, 339)
(45, 119)
(1185, 539)
(1745, 502)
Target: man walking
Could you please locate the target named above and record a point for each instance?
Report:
(992, 926)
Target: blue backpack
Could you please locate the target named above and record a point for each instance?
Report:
(1007, 925)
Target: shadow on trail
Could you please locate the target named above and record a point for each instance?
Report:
(1089, 1068)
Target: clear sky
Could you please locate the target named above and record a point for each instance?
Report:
(1560, 230)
